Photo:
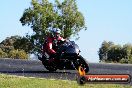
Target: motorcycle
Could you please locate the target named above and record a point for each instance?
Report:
(68, 58)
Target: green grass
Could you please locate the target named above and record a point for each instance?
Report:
(8, 81)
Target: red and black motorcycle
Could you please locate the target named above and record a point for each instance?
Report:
(68, 58)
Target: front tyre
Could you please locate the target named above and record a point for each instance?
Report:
(81, 80)
(81, 62)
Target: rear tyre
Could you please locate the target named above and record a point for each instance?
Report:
(49, 67)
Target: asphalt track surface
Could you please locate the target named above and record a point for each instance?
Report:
(30, 68)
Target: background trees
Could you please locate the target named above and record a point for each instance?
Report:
(2, 54)
(109, 52)
(14, 47)
(18, 54)
(103, 50)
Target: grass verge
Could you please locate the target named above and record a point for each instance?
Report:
(8, 81)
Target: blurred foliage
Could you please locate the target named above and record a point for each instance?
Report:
(109, 52)
(15, 47)
(18, 54)
(123, 61)
(23, 43)
(7, 44)
(22, 54)
(3, 54)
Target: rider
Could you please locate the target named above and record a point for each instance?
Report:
(51, 43)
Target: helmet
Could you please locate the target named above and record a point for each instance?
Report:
(57, 31)
(54, 32)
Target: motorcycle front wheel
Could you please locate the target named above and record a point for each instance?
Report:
(81, 62)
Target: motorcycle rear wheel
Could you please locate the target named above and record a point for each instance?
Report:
(49, 67)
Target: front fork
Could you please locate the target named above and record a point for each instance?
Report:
(80, 69)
